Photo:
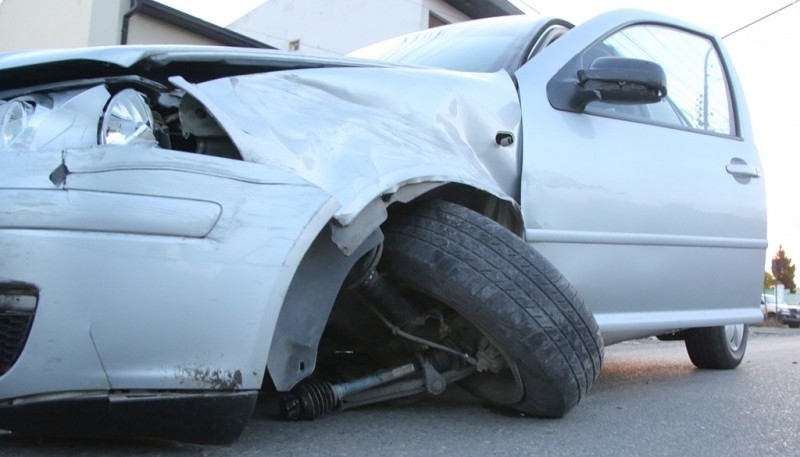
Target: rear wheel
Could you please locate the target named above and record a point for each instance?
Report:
(538, 347)
(717, 347)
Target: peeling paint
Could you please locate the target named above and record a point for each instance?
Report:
(209, 378)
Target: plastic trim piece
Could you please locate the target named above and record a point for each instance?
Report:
(641, 239)
(199, 417)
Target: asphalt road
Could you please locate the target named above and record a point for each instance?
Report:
(649, 401)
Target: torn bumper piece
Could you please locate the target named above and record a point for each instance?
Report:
(202, 418)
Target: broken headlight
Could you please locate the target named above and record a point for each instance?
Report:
(14, 116)
(55, 120)
(127, 119)
(76, 118)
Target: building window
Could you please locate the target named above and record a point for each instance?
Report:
(435, 21)
(294, 45)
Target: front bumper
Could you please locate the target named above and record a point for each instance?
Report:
(202, 418)
(792, 317)
(155, 270)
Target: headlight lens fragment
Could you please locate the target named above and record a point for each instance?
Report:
(127, 119)
(15, 117)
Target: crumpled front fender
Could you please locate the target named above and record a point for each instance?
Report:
(360, 133)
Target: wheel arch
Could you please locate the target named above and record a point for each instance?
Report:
(501, 209)
(336, 249)
(350, 226)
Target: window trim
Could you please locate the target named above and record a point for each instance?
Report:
(564, 75)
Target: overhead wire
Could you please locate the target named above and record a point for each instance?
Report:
(761, 19)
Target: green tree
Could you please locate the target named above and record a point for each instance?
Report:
(769, 280)
(783, 269)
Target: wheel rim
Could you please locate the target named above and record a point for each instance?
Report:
(734, 334)
(503, 388)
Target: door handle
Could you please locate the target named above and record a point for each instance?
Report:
(740, 168)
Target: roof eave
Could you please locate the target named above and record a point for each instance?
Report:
(485, 8)
(193, 24)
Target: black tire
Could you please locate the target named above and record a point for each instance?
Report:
(550, 341)
(793, 325)
(716, 348)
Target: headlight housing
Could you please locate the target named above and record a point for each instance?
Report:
(14, 119)
(127, 120)
(76, 118)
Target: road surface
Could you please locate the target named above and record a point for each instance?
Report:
(649, 401)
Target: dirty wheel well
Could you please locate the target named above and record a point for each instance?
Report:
(306, 311)
(503, 212)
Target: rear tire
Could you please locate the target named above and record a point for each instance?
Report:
(720, 348)
(550, 341)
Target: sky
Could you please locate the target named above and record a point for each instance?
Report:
(764, 55)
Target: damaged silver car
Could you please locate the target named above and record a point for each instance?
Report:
(485, 204)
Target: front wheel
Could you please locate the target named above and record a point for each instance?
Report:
(720, 348)
(539, 348)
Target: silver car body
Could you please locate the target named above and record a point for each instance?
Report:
(666, 227)
(179, 233)
(202, 257)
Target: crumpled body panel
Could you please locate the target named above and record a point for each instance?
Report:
(359, 133)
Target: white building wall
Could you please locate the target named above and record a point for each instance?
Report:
(105, 23)
(327, 27)
(146, 30)
(30, 24)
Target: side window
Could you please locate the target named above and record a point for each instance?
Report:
(697, 87)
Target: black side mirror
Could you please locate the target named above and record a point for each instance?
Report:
(617, 80)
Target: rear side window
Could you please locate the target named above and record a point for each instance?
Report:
(698, 95)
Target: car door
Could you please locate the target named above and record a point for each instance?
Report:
(655, 212)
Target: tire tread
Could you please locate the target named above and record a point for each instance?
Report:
(522, 297)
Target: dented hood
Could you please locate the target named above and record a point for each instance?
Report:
(131, 56)
(20, 70)
(360, 133)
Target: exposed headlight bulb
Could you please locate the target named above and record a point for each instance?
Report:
(127, 120)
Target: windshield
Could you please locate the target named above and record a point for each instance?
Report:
(770, 300)
(486, 45)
